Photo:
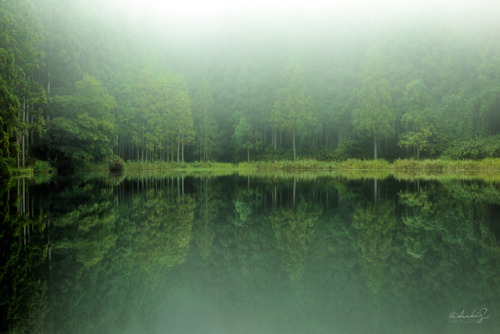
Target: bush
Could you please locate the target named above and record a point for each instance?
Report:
(347, 149)
(475, 149)
(116, 164)
(42, 167)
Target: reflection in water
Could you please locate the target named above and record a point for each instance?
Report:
(233, 254)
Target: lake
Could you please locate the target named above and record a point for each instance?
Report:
(271, 253)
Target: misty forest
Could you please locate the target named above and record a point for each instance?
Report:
(248, 167)
(82, 82)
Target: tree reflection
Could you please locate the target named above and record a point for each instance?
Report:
(374, 223)
(294, 229)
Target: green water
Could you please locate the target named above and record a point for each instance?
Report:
(233, 254)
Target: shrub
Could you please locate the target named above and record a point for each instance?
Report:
(475, 149)
(347, 149)
(42, 167)
(116, 164)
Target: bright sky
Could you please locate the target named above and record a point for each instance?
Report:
(200, 13)
(220, 8)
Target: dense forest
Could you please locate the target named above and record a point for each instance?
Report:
(82, 82)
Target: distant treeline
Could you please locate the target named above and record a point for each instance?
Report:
(79, 86)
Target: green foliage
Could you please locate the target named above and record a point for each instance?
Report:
(84, 131)
(203, 117)
(116, 164)
(244, 136)
(9, 109)
(417, 120)
(42, 167)
(407, 100)
(475, 149)
(5, 172)
(292, 110)
(374, 116)
(347, 149)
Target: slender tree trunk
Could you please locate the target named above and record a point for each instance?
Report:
(293, 144)
(206, 135)
(178, 150)
(274, 139)
(418, 152)
(375, 147)
(23, 136)
(248, 154)
(294, 188)
(48, 91)
(182, 145)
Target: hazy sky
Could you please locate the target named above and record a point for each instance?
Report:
(210, 10)
(204, 20)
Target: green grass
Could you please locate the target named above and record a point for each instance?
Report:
(441, 166)
(352, 168)
(407, 165)
(135, 166)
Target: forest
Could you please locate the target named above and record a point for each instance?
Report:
(81, 82)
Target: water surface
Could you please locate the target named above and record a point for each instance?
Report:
(239, 254)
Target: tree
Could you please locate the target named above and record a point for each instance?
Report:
(21, 55)
(416, 120)
(182, 118)
(374, 116)
(243, 134)
(206, 129)
(83, 129)
(9, 108)
(292, 110)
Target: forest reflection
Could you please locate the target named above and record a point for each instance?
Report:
(182, 253)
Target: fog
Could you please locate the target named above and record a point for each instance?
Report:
(253, 24)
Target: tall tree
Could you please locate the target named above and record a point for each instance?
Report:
(374, 116)
(203, 117)
(83, 129)
(182, 117)
(21, 55)
(292, 110)
(416, 120)
(243, 134)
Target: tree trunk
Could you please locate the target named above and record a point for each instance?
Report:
(182, 145)
(375, 147)
(293, 144)
(248, 154)
(206, 135)
(294, 188)
(418, 152)
(274, 139)
(178, 150)
(23, 138)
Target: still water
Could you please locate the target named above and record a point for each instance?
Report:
(240, 254)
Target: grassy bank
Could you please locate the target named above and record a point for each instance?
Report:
(408, 165)
(352, 165)
(134, 166)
